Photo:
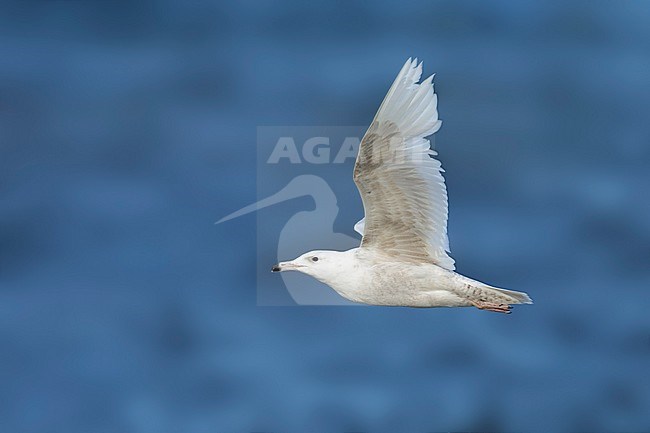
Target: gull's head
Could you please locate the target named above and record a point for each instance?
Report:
(318, 264)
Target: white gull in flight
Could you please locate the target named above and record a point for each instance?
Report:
(403, 258)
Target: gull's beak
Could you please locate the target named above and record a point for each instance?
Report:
(285, 266)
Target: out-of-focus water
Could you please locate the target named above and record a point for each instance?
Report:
(127, 129)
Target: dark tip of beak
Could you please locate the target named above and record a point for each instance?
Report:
(275, 268)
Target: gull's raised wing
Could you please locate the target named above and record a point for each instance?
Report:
(401, 185)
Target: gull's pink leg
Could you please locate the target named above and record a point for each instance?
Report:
(490, 306)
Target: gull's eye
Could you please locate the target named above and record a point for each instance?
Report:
(314, 259)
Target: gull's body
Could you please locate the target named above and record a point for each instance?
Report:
(403, 259)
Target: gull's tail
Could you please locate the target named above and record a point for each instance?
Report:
(489, 297)
(517, 297)
(495, 299)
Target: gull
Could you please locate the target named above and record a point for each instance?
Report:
(403, 259)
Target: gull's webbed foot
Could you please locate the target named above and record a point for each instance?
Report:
(491, 306)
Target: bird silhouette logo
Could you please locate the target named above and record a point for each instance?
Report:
(298, 233)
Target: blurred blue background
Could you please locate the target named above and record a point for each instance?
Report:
(128, 128)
